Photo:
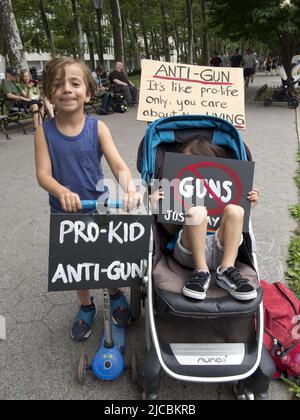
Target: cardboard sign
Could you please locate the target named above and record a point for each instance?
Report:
(169, 89)
(97, 251)
(202, 181)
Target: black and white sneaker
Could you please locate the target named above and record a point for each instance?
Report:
(237, 286)
(197, 285)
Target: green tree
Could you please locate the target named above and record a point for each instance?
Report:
(276, 23)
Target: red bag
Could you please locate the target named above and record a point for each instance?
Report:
(282, 327)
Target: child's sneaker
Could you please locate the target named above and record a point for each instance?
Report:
(197, 285)
(237, 286)
(120, 310)
(82, 327)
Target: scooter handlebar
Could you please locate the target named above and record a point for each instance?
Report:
(109, 204)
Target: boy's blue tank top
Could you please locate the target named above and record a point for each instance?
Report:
(76, 161)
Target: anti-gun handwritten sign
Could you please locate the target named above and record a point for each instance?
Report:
(98, 251)
(169, 89)
(210, 182)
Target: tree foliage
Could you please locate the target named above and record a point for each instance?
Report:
(160, 29)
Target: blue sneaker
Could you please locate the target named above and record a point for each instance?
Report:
(81, 329)
(120, 310)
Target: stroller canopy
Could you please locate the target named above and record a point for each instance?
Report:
(164, 131)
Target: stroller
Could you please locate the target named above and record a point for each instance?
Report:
(286, 92)
(219, 339)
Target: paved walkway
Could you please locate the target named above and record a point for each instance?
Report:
(38, 360)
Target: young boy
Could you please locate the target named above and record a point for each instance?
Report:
(69, 149)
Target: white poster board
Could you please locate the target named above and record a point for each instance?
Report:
(170, 89)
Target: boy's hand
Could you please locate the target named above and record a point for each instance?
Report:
(155, 198)
(132, 201)
(70, 202)
(253, 197)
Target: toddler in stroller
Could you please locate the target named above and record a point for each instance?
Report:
(211, 340)
(201, 251)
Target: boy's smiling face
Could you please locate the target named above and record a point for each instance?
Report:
(69, 92)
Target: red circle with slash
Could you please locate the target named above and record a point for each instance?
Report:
(194, 169)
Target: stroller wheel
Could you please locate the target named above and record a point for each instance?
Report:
(293, 103)
(242, 393)
(268, 101)
(82, 368)
(262, 397)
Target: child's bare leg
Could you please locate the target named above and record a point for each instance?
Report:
(194, 235)
(36, 115)
(230, 234)
(84, 297)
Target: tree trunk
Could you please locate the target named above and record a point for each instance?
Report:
(165, 31)
(189, 4)
(100, 37)
(79, 33)
(117, 30)
(205, 40)
(90, 39)
(10, 35)
(47, 29)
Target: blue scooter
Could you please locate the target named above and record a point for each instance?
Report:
(109, 361)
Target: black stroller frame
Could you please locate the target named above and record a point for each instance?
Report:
(244, 363)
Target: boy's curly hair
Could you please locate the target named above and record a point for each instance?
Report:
(57, 66)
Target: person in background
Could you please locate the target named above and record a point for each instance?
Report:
(248, 64)
(236, 59)
(17, 97)
(31, 88)
(100, 77)
(216, 60)
(122, 84)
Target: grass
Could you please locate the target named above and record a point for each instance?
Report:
(293, 272)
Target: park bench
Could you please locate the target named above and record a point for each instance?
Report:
(12, 114)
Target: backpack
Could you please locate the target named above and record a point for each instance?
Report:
(282, 327)
(119, 103)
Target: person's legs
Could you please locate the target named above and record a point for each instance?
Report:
(127, 93)
(190, 251)
(34, 109)
(230, 233)
(134, 94)
(49, 108)
(194, 235)
(229, 237)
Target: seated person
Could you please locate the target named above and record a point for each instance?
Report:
(202, 252)
(31, 90)
(16, 96)
(100, 77)
(122, 84)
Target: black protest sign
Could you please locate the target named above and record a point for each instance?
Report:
(210, 182)
(97, 251)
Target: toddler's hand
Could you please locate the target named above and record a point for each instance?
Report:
(253, 197)
(70, 202)
(132, 201)
(155, 198)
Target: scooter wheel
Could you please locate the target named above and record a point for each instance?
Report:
(293, 103)
(268, 101)
(82, 369)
